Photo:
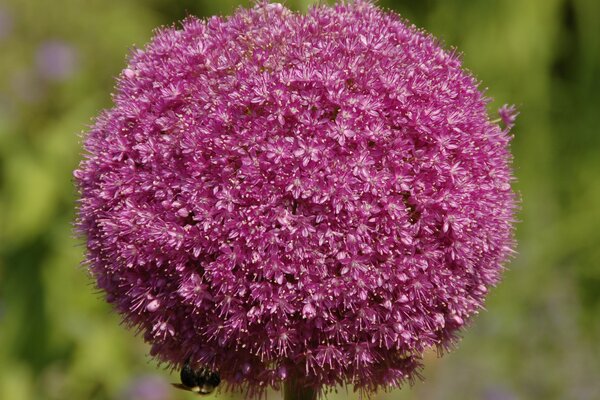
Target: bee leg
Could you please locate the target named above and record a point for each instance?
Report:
(213, 378)
(207, 380)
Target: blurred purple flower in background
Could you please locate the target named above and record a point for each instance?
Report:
(498, 392)
(6, 106)
(56, 60)
(149, 387)
(26, 85)
(6, 23)
(316, 197)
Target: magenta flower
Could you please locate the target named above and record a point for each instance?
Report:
(314, 197)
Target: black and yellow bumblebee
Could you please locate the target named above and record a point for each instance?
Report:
(202, 381)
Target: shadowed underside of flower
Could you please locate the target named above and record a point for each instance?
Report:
(278, 195)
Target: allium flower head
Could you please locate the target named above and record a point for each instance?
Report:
(277, 195)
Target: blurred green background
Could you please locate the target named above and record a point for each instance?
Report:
(538, 339)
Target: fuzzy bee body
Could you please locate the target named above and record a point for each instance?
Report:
(202, 381)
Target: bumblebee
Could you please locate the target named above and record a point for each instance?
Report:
(202, 381)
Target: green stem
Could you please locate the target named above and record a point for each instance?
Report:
(294, 391)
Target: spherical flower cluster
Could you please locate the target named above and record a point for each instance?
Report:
(278, 195)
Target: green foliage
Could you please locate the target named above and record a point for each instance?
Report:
(538, 338)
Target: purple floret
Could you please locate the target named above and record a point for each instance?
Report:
(508, 115)
(274, 194)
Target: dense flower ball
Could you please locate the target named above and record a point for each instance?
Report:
(278, 195)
